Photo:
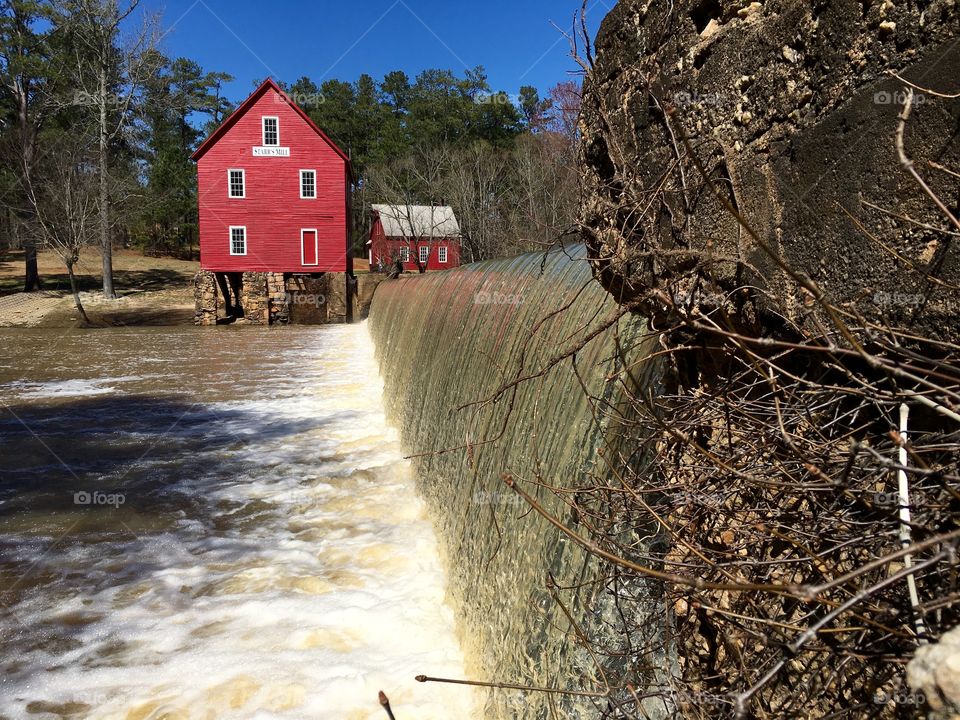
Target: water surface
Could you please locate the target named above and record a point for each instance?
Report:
(212, 523)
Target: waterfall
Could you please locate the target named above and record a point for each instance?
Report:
(448, 341)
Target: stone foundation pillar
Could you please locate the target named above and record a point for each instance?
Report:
(271, 298)
(254, 298)
(338, 298)
(278, 299)
(205, 298)
(366, 285)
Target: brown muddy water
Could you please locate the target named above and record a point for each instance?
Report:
(212, 523)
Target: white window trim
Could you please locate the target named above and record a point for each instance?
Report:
(315, 193)
(243, 175)
(404, 254)
(442, 254)
(316, 247)
(230, 239)
(263, 130)
(424, 260)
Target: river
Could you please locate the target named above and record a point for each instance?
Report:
(213, 523)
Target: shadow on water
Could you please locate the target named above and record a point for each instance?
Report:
(89, 477)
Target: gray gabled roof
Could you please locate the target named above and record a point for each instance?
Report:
(418, 221)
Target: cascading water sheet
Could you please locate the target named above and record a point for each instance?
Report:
(540, 328)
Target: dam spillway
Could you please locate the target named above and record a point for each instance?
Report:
(446, 344)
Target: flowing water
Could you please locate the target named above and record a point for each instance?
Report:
(448, 340)
(212, 523)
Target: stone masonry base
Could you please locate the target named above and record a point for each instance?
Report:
(277, 298)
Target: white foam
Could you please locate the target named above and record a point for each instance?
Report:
(65, 388)
(331, 592)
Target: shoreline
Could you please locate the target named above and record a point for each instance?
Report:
(52, 309)
(153, 292)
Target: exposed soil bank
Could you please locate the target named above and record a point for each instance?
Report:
(153, 291)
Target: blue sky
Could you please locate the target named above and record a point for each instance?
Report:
(251, 39)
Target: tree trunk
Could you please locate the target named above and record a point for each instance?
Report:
(31, 281)
(106, 246)
(415, 253)
(76, 294)
(28, 136)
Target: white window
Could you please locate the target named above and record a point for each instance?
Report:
(442, 254)
(424, 253)
(271, 131)
(238, 240)
(308, 184)
(404, 254)
(237, 181)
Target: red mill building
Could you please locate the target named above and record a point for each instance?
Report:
(274, 195)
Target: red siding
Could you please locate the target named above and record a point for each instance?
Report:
(388, 249)
(272, 211)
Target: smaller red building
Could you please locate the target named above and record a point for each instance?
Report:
(421, 237)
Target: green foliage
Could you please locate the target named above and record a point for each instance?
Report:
(29, 78)
(177, 92)
(377, 122)
(533, 108)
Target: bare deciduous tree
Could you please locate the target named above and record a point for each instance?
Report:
(108, 76)
(64, 199)
(478, 187)
(507, 201)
